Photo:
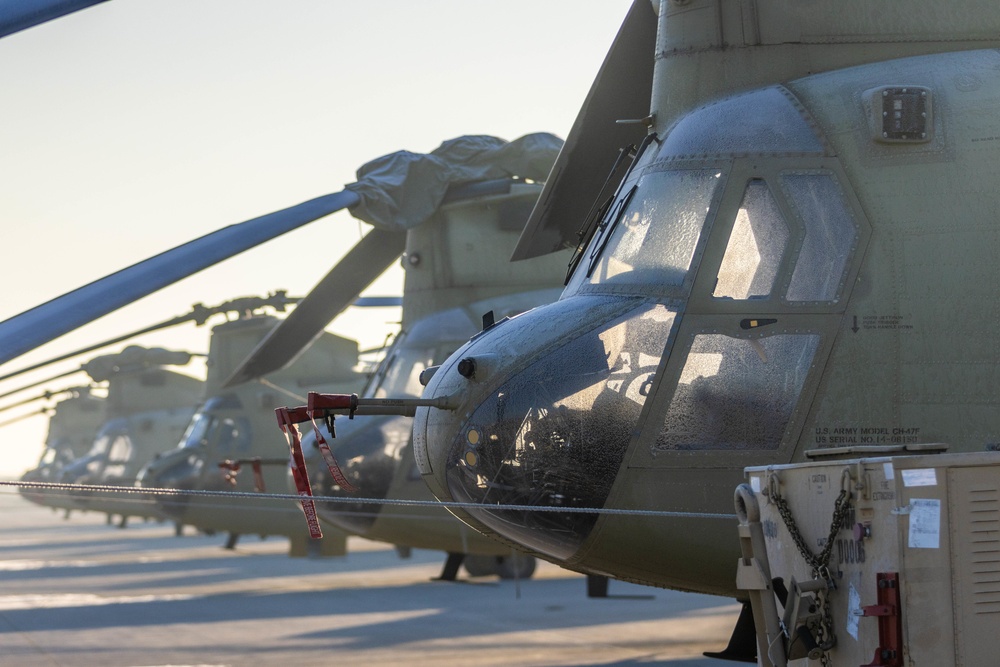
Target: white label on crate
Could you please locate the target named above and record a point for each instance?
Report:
(755, 484)
(853, 611)
(925, 523)
(919, 477)
(887, 469)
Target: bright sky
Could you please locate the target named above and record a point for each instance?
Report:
(136, 125)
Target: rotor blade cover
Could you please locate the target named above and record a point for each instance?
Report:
(403, 190)
(621, 91)
(63, 314)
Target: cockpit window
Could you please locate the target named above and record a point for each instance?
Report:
(756, 245)
(831, 235)
(400, 375)
(736, 393)
(650, 236)
(197, 431)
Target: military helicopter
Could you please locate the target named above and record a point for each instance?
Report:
(777, 274)
(444, 296)
(232, 429)
(110, 447)
(477, 217)
(73, 425)
(147, 407)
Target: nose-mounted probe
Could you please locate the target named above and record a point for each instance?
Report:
(326, 407)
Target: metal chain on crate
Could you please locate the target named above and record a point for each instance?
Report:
(823, 632)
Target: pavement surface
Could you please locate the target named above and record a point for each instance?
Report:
(80, 592)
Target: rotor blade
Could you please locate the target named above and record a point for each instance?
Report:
(17, 15)
(621, 91)
(352, 274)
(374, 302)
(41, 382)
(44, 396)
(43, 411)
(41, 324)
(199, 315)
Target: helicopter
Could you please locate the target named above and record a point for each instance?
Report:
(477, 217)
(781, 270)
(73, 425)
(229, 431)
(111, 447)
(147, 407)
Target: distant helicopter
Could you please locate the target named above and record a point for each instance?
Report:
(162, 412)
(232, 429)
(444, 297)
(147, 407)
(73, 425)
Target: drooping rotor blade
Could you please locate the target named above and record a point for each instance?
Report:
(44, 396)
(17, 15)
(362, 264)
(621, 91)
(43, 411)
(199, 315)
(41, 382)
(50, 320)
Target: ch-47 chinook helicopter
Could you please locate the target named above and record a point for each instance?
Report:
(163, 401)
(444, 287)
(232, 429)
(73, 425)
(797, 263)
(147, 407)
(444, 297)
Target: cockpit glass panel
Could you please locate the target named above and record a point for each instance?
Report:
(555, 434)
(233, 436)
(756, 245)
(401, 376)
(653, 237)
(831, 235)
(736, 393)
(197, 430)
(101, 445)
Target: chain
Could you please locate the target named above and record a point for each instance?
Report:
(822, 631)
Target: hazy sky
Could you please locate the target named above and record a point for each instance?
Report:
(136, 125)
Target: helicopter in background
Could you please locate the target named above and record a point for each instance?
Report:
(73, 425)
(232, 429)
(110, 445)
(455, 265)
(147, 406)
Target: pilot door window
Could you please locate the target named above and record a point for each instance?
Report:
(758, 241)
(736, 393)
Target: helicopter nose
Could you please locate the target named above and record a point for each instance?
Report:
(369, 451)
(180, 469)
(550, 425)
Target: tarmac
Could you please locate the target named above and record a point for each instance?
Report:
(80, 592)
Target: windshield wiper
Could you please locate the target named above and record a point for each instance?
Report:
(597, 214)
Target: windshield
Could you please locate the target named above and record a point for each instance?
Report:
(398, 376)
(649, 236)
(197, 431)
